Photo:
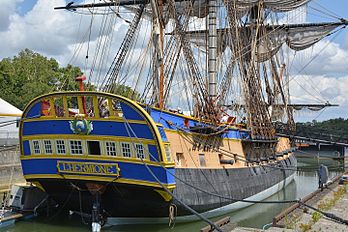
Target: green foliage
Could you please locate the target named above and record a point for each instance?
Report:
(305, 227)
(290, 221)
(316, 216)
(30, 74)
(328, 203)
(336, 127)
(126, 91)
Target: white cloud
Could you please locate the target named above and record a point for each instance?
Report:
(6, 10)
(320, 89)
(39, 29)
(66, 36)
(48, 31)
(325, 57)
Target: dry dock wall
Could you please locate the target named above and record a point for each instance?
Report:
(10, 167)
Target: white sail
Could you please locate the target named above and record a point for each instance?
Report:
(275, 5)
(297, 37)
(199, 8)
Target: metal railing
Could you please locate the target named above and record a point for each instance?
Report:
(8, 137)
(311, 134)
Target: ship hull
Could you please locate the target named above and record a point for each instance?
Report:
(237, 183)
(211, 213)
(120, 200)
(126, 203)
(122, 160)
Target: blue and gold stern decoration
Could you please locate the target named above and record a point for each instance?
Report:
(81, 126)
(68, 132)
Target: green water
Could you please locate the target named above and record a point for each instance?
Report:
(253, 216)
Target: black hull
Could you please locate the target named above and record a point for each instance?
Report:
(126, 200)
(236, 183)
(123, 200)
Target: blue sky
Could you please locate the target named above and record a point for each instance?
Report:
(337, 8)
(35, 25)
(25, 6)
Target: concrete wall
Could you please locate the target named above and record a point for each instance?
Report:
(10, 168)
(8, 131)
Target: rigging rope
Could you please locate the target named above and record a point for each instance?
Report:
(312, 59)
(109, 82)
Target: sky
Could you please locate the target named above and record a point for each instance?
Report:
(35, 25)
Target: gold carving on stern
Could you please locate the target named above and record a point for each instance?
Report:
(164, 194)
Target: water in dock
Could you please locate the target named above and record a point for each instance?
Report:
(253, 216)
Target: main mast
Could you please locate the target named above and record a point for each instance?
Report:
(212, 51)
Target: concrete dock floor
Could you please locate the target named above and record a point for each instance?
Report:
(335, 202)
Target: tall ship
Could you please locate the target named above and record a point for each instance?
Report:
(121, 152)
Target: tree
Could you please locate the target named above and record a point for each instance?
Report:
(125, 91)
(30, 74)
(337, 127)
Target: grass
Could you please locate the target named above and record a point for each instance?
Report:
(327, 204)
(324, 205)
(290, 221)
(316, 216)
(305, 227)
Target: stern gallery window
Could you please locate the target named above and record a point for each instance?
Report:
(76, 147)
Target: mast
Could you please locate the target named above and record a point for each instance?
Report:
(157, 38)
(212, 51)
(247, 36)
(161, 71)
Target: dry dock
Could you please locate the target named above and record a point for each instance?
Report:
(10, 173)
(10, 167)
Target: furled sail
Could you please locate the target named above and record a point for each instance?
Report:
(199, 8)
(311, 107)
(296, 36)
(275, 5)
